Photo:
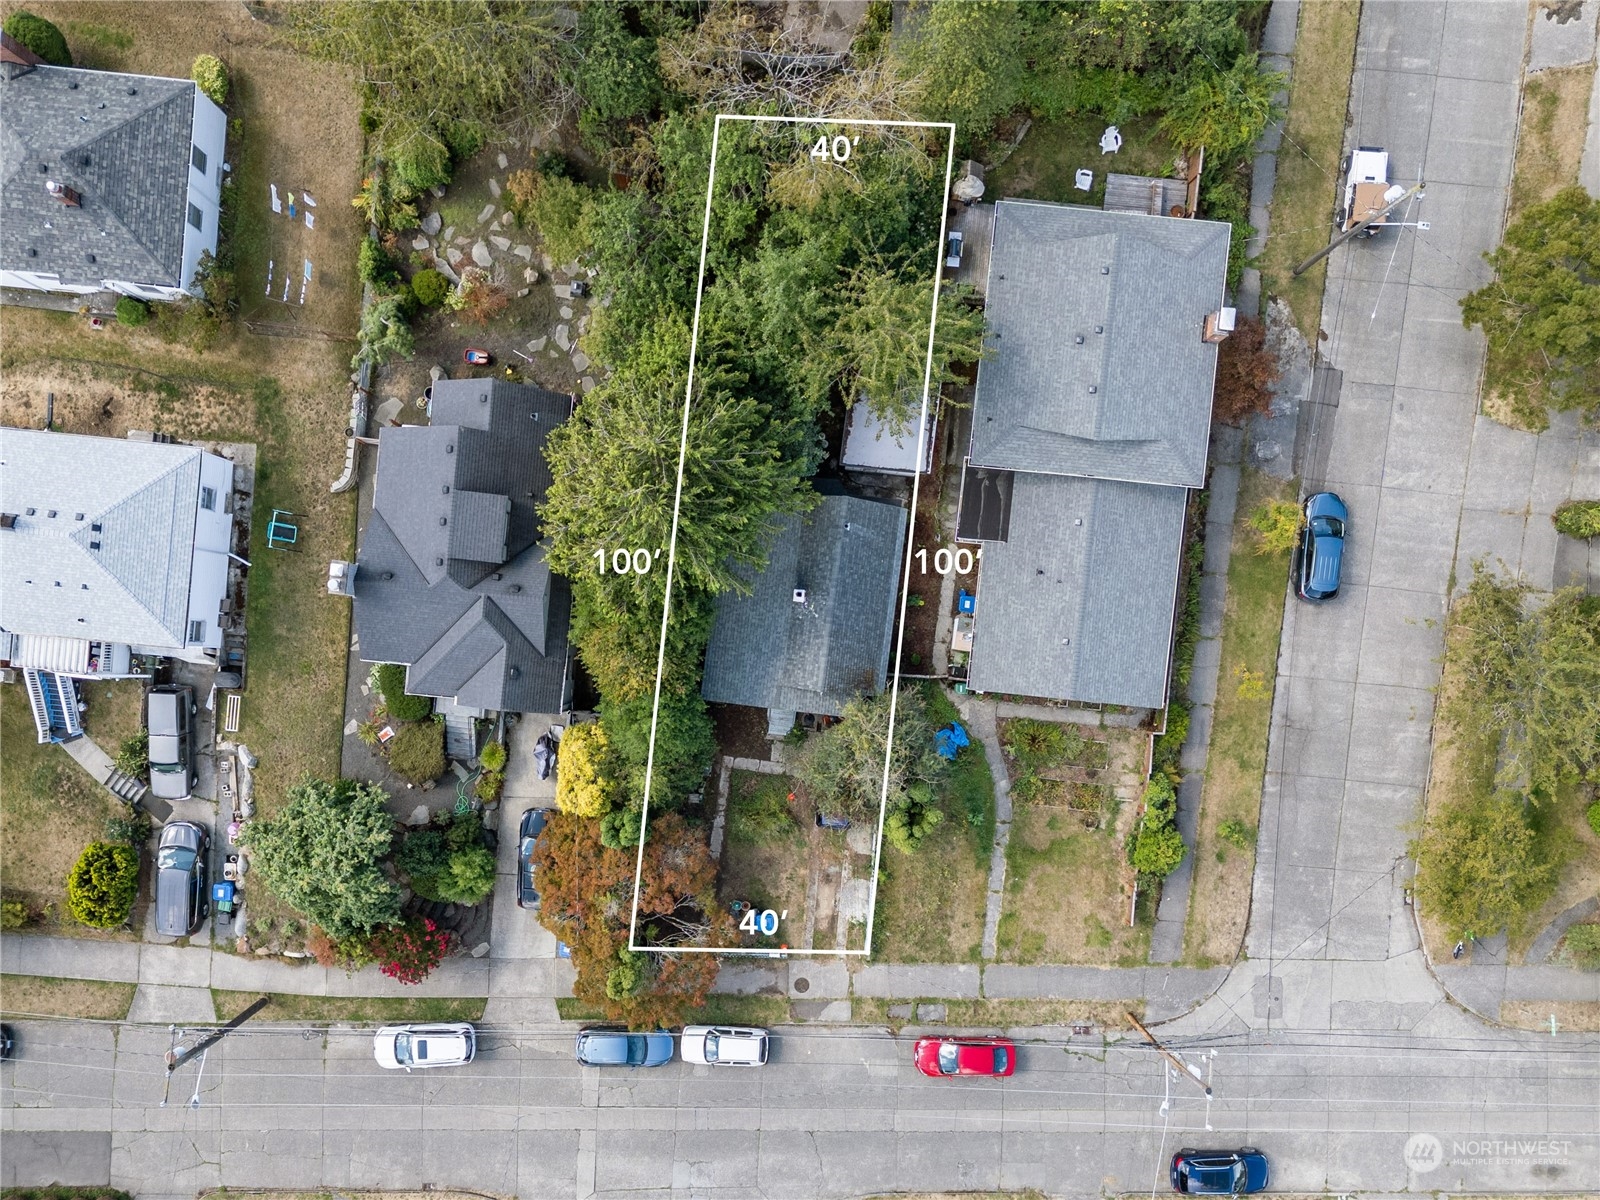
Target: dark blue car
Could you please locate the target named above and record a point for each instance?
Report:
(610, 1047)
(1321, 550)
(1219, 1172)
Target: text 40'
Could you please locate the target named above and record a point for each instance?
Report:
(945, 560)
(627, 562)
(838, 149)
(764, 922)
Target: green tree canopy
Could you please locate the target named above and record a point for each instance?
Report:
(40, 36)
(843, 767)
(1541, 312)
(1480, 865)
(321, 854)
(967, 61)
(1225, 111)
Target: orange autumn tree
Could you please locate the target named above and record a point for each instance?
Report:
(587, 900)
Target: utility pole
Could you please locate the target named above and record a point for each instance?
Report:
(1183, 1068)
(1359, 227)
(177, 1056)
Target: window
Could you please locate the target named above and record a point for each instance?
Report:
(198, 157)
(208, 499)
(196, 217)
(197, 632)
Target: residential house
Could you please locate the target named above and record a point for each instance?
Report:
(110, 548)
(110, 182)
(451, 578)
(816, 626)
(1090, 425)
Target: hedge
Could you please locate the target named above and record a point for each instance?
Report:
(131, 311)
(40, 36)
(101, 887)
(212, 77)
(402, 705)
(1578, 518)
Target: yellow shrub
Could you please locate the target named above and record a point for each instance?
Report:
(581, 786)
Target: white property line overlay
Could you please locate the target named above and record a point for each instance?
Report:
(672, 548)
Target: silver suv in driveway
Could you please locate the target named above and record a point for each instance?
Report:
(169, 716)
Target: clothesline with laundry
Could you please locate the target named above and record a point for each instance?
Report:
(298, 205)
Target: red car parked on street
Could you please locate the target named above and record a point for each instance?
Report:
(992, 1056)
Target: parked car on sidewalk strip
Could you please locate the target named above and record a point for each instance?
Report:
(724, 1045)
(941, 1056)
(402, 1047)
(1219, 1172)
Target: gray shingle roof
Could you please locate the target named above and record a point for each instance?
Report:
(452, 579)
(129, 579)
(1081, 612)
(768, 651)
(127, 154)
(1131, 401)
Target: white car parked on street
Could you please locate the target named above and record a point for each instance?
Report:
(401, 1047)
(724, 1045)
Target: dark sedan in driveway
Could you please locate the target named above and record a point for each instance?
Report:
(1219, 1172)
(182, 901)
(527, 834)
(1320, 554)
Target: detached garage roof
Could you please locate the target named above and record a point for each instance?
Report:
(1098, 367)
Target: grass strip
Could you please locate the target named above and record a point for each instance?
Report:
(1308, 159)
(359, 1010)
(46, 996)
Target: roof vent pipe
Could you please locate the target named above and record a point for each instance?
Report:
(63, 193)
(799, 595)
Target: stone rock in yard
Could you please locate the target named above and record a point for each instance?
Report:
(436, 373)
(537, 344)
(419, 815)
(419, 243)
(432, 223)
(525, 253)
(521, 292)
(485, 213)
(566, 313)
(547, 262)
(507, 218)
(494, 188)
(452, 255)
(580, 361)
(445, 268)
(449, 234)
(570, 268)
(587, 384)
(495, 225)
(562, 291)
(563, 337)
(529, 275)
(502, 161)
(463, 241)
(480, 950)
(481, 255)
(583, 323)
(438, 191)
(501, 243)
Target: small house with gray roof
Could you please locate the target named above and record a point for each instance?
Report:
(1090, 424)
(451, 579)
(814, 627)
(110, 548)
(108, 181)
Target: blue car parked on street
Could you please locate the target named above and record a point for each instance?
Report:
(1320, 553)
(1219, 1172)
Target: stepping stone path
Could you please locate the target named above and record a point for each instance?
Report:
(563, 337)
(419, 243)
(566, 313)
(432, 223)
(587, 383)
(525, 253)
(580, 361)
(448, 234)
(502, 161)
(500, 243)
(481, 255)
(537, 344)
(488, 211)
(494, 188)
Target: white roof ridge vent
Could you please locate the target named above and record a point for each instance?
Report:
(799, 595)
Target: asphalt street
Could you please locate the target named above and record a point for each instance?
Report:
(838, 1113)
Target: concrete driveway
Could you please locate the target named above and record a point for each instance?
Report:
(1431, 486)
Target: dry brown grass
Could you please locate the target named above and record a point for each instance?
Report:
(84, 999)
(1572, 1016)
(1005, 1014)
(931, 904)
(1555, 116)
(1219, 897)
(115, 711)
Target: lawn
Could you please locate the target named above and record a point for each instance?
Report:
(49, 811)
(280, 381)
(930, 904)
(115, 711)
(82, 999)
(1308, 160)
(1064, 898)
(1043, 165)
(1219, 898)
(355, 1010)
(1005, 1014)
(767, 855)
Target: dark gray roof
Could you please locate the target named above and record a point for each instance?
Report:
(452, 579)
(769, 651)
(1081, 612)
(122, 142)
(1132, 400)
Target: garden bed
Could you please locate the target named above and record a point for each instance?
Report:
(771, 850)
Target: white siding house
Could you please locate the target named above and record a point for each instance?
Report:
(112, 182)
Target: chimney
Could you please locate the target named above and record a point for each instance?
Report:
(341, 579)
(63, 193)
(1219, 325)
(8, 520)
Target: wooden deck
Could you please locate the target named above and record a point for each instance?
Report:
(976, 223)
(1144, 194)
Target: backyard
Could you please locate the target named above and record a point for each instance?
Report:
(1044, 163)
(1230, 805)
(278, 380)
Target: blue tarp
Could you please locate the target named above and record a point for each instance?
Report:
(949, 740)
